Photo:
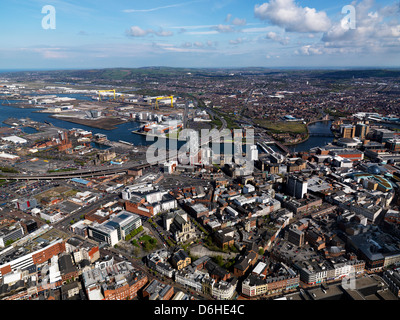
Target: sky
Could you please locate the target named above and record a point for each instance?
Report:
(199, 33)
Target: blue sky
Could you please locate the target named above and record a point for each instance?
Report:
(199, 33)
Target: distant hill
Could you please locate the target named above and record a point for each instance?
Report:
(361, 74)
(121, 74)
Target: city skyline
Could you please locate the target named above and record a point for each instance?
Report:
(201, 34)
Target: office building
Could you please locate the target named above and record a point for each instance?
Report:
(296, 187)
(347, 131)
(115, 229)
(361, 130)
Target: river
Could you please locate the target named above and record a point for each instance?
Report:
(322, 132)
(123, 131)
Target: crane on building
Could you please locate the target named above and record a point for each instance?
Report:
(102, 91)
(163, 98)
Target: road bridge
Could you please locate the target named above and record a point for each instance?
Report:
(85, 173)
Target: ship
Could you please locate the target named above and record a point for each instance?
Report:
(124, 142)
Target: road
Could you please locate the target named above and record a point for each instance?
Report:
(65, 223)
(138, 264)
(215, 115)
(87, 172)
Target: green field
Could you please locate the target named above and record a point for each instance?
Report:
(282, 126)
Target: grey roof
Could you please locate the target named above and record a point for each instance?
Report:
(65, 264)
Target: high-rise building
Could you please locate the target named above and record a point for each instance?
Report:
(296, 187)
(361, 130)
(253, 153)
(347, 131)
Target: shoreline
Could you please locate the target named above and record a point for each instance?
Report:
(184, 140)
(308, 134)
(108, 124)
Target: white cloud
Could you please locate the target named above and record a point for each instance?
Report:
(196, 33)
(136, 31)
(310, 50)
(50, 52)
(237, 41)
(198, 44)
(275, 37)
(161, 8)
(286, 14)
(211, 44)
(239, 22)
(223, 28)
(163, 33)
(192, 27)
(374, 29)
(256, 30)
(376, 34)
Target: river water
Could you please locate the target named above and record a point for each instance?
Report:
(320, 135)
(320, 132)
(123, 131)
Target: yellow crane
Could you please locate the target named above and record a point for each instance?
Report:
(163, 98)
(101, 91)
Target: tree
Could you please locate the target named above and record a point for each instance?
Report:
(261, 251)
(9, 242)
(219, 260)
(135, 243)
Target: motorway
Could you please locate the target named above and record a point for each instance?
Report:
(214, 115)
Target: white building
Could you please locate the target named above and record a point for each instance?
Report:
(253, 153)
(103, 233)
(242, 200)
(7, 156)
(15, 140)
(297, 187)
(248, 188)
(115, 229)
(169, 167)
(232, 211)
(51, 216)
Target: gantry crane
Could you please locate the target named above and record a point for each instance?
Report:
(163, 98)
(101, 91)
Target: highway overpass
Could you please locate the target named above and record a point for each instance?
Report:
(85, 173)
